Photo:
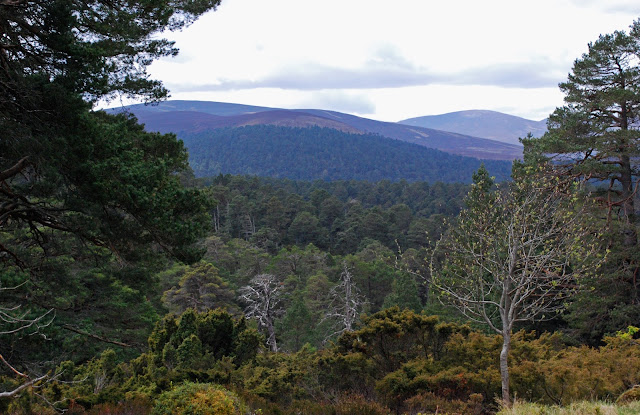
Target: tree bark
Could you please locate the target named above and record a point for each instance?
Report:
(630, 237)
(504, 367)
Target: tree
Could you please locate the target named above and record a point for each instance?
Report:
(57, 58)
(201, 289)
(595, 138)
(263, 297)
(87, 188)
(345, 304)
(404, 293)
(297, 324)
(514, 254)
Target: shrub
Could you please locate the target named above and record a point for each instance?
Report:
(630, 395)
(199, 399)
(358, 405)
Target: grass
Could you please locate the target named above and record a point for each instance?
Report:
(578, 408)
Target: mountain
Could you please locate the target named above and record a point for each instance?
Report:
(482, 123)
(449, 142)
(207, 107)
(194, 116)
(190, 121)
(313, 153)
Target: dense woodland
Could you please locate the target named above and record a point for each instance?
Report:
(129, 286)
(328, 154)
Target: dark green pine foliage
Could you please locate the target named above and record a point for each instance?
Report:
(594, 137)
(89, 203)
(341, 217)
(296, 328)
(326, 154)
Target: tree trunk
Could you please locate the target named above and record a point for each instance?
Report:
(504, 367)
(630, 237)
(271, 332)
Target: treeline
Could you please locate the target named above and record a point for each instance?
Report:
(327, 154)
(340, 217)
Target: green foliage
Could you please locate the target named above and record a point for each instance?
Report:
(594, 138)
(196, 340)
(404, 293)
(319, 153)
(199, 399)
(273, 213)
(199, 288)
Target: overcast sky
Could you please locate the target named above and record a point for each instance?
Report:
(389, 60)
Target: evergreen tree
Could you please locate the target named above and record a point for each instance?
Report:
(595, 138)
(89, 189)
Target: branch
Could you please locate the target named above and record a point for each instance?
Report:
(94, 336)
(13, 369)
(8, 394)
(15, 169)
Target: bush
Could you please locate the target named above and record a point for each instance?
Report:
(630, 395)
(199, 399)
(358, 405)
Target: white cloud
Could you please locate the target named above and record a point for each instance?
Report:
(381, 57)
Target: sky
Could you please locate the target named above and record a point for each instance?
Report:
(389, 60)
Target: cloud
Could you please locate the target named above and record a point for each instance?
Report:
(390, 74)
(339, 101)
(610, 6)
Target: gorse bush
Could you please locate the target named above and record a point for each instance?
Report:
(199, 399)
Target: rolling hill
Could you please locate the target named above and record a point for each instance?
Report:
(327, 154)
(481, 123)
(183, 117)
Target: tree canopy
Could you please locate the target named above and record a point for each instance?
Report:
(85, 196)
(594, 138)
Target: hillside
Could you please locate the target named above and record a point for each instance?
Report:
(179, 117)
(325, 153)
(482, 123)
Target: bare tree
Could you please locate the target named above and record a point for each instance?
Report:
(345, 304)
(514, 255)
(263, 298)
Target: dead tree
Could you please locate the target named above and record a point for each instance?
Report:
(345, 304)
(263, 298)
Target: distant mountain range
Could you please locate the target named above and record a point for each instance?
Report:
(193, 116)
(319, 144)
(482, 123)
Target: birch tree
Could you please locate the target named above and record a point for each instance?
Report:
(514, 255)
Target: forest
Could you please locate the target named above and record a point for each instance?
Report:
(328, 154)
(130, 286)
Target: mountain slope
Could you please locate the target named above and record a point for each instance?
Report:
(482, 123)
(325, 153)
(207, 107)
(450, 142)
(180, 117)
(189, 121)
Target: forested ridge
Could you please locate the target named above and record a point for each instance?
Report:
(328, 154)
(130, 286)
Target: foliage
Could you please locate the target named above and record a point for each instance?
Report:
(198, 399)
(594, 139)
(515, 253)
(200, 288)
(87, 200)
(578, 408)
(341, 217)
(320, 153)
